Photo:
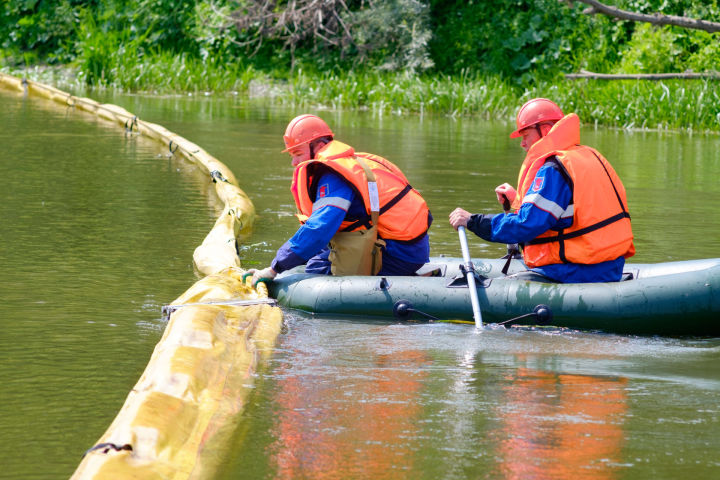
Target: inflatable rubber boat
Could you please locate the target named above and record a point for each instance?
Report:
(672, 298)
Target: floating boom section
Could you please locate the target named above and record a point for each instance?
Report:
(179, 417)
(218, 250)
(177, 421)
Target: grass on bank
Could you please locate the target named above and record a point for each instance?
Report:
(692, 105)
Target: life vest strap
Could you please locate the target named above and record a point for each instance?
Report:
(617, 194)
(365, 221)
(373, 193)
(561, 236)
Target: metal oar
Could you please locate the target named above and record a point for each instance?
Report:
(470, 274)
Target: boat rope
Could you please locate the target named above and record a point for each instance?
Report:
(106, 447)
(167, 310)
(217, 176)
(541, 312)
(403, 309)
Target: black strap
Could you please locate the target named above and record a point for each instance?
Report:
(565, 236)
(622, 206)
(365, 221)
(512, 251)
(506, 267)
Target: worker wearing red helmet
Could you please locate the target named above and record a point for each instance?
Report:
(571, 215)
(358, 213)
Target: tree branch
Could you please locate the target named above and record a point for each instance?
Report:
(640, 76)
(655, 19)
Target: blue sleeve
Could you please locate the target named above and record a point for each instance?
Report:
(543, 208)
(334, 197)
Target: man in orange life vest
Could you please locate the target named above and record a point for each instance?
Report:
(571, 215)
(358, 213)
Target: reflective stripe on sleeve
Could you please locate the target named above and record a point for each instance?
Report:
(569, 211)
(549, 206)
(339, 202)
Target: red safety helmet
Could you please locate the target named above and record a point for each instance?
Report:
(304, 129)
(536, 111)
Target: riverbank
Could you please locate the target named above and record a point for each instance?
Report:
(644, 105)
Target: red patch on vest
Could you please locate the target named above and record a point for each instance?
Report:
(322, 191)
(537, 183)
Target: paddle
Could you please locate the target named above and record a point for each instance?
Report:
(470, 274)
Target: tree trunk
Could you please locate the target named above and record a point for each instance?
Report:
(655, 19)
(640, 76)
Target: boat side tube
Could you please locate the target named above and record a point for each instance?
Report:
(677, 298)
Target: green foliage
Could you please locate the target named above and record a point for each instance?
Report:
(650, 50)
(33, 30)
(401, 92)
(707, 55)
(530, 40)
(523, 41)
(670, 49)
(674, 104)
(519, 39)
(393, 34)
(456, 57)
(211, 30)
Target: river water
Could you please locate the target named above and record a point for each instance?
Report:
(98, 230)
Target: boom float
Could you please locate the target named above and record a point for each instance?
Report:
(176, 420)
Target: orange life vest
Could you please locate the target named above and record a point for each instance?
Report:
(403, 213)
(601, 229)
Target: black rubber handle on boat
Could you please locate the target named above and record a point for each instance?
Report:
(403, 309)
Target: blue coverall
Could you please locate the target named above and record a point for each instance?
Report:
(541, 211)
(336, 201)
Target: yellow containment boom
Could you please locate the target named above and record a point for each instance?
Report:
(177, 421)
(218, 251)
(178, 418)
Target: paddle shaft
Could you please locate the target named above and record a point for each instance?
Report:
(470, 273)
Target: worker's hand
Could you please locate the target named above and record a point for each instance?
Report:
(264, 275)
(505, 191)
(459, 218)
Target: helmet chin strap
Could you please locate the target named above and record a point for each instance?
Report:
(539, 130)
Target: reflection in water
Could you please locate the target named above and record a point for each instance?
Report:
(360, 425)
(354, 400)
(555, 426)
